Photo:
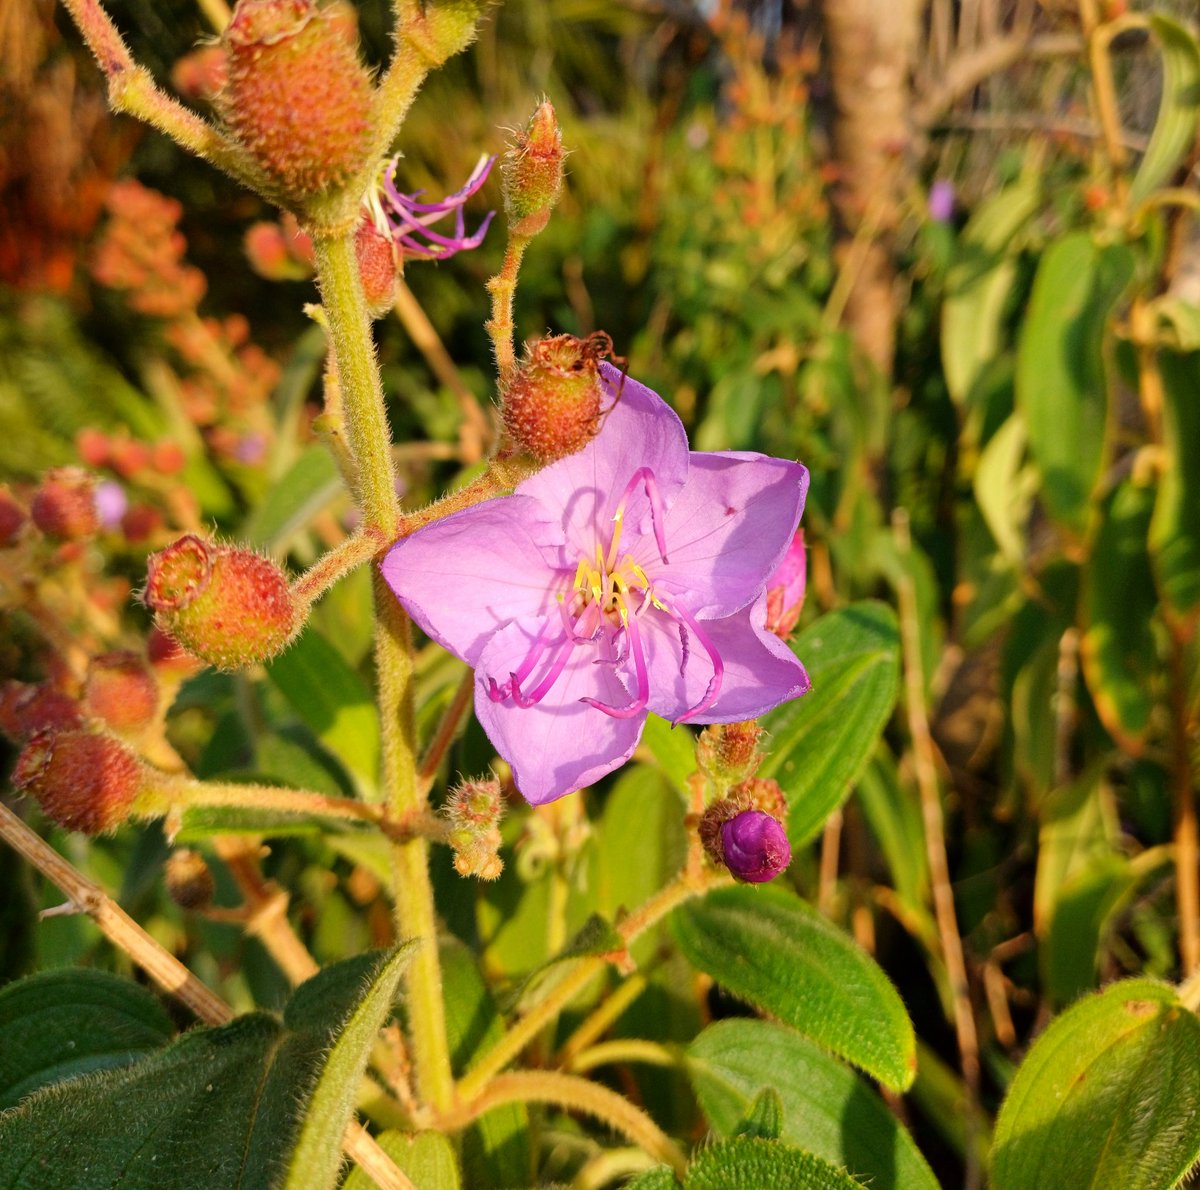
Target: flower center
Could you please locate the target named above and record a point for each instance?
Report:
(610, 594)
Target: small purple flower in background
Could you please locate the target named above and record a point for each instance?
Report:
(755, 846)
(626, 579)
(786, 587)
(941, 201)
(408, 223)
(111, 503)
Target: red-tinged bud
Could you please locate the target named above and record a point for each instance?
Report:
(202, 74)
(376, 267)
(129, 456)
(188, 879)
(93, 447)
(167, 457)
(533, 173)
(141, 522)
(83, 781)
(785, 589)
(727, 753)
(267, 250)
(298, 96)
(64, 506)
(552, 407)
(27, 709)
(12, 518)
(228, 606)
(121, 690)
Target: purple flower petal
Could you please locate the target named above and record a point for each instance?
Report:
(730, 528)
(560, 744)
(584, 489)
(464, 577)
(760, 671)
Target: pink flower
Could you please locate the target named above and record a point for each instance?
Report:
(624, 580)
(786, 587)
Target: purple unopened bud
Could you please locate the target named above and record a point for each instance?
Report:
(786, 587)
(756, 846)
(941, 201)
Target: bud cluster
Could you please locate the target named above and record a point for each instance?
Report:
(472, 811)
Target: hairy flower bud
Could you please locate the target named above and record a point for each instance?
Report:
(12, 518)
(121, 690)
(83, 781)
(533, 173)
(376, 267)
(228, 606)
(785, 589)
(744, 833)
(64, 506)
(298, 97)
(188, 879)
(473, 811)
(755, 846)
(552, 407)
(727, 753)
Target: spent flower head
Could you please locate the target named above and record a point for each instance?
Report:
(624, 580)
(409, 223)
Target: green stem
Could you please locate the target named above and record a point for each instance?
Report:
(336, 564)
(184, 792)
(358, 380)
(624, 1049)
(575, 1094)
(499, 327)
(415, 916)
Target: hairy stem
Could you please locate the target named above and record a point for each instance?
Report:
(415, 916)
(358, 381)
(499, 327)
(336, 564)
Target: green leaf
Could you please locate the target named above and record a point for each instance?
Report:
(1108, 1096)
(978, 286)
(427, 1158)
(822, 741)
(217, 1107)
(1175, 128)
(755, 1164)
(827, 1108)
(1004, 488)
(309, 485)
(1120, 660)
(1062, 380)
(317, 1156)
(334, 701)
(640, 844)
(768, 947)
(60, 1024)
(1175, 526)
(674, 750)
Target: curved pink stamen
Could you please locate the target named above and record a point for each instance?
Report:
(645, 476)
(570, 626)
(497, 692)
(714, 683)
(638, 705)
(543, 687)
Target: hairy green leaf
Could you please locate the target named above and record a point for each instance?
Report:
(768, 947)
